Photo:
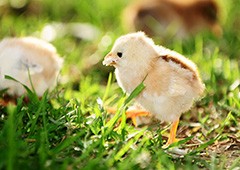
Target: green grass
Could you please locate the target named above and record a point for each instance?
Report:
(69, 127)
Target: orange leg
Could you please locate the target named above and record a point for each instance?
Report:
(131, 114)
(173, 131)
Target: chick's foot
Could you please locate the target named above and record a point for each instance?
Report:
(131, 114)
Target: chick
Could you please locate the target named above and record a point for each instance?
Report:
(182, 18)
(28, 60)
(172, 82)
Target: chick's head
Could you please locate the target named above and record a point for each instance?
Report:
(131, 50)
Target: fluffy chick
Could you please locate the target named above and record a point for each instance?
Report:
(157, 17)
(172, 82)
(21, 57)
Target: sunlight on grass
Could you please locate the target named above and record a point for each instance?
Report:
(69, 128)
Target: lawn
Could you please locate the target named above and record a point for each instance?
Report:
(69, 127)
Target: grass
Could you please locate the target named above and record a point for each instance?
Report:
(69, 127)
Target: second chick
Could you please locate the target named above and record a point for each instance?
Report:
(28, 60)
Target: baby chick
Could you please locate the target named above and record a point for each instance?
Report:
(183, 18)
(172, 82)
(28, 60)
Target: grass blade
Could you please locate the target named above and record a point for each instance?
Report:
(204, 146)
(179, 142)
(32, 95)
(66, 143)
(108, 86)
(135, 93)
(127, 146)
(11, 132)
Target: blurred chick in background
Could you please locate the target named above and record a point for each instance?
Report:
(172, 82)
(26, 59)
(180, 18)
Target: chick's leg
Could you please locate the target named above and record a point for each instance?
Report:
(173, 131)
(131, 114)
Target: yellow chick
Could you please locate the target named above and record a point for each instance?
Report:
(27, 59)
(156, 17)
(172, 82)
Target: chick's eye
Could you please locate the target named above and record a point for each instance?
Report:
(119, 54)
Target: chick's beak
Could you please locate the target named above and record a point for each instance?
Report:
(110, 59)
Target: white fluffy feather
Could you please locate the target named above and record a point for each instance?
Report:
(21, 57)
(172, 81)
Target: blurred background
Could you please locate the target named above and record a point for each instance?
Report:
(84, 31)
